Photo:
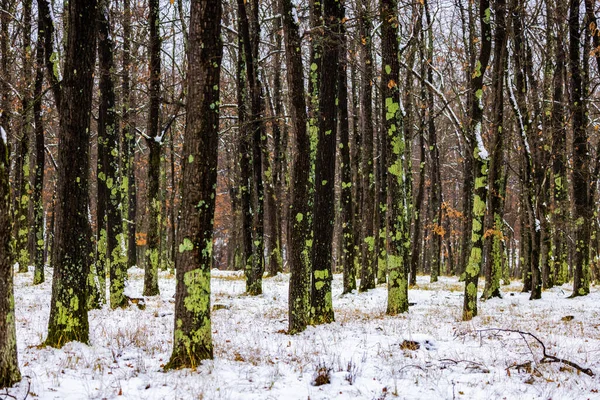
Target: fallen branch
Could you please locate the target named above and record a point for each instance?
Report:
(547, 357)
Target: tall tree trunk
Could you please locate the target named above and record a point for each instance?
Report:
(250, 31)
(494, 218)
(38, 183)
(581, 175)
(559, 151)
(356, 161)
(368, 264)
(480, 163)
(347, 250)
(245, 143)
(525, 126)
(396, 221)
(68, 312)
(22, 223)
(412, 223)
(9, 364)
(128, 138)
(300, 233)
(192, 341)
(154, 140)
(434, 156)
(108, 124)
(275, 192)
(324, 207)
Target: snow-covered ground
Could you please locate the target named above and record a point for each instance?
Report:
(255, 359)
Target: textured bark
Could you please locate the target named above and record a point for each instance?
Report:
(299, 222)
(368, 265)
(280, 145)
(273, 174)
(434, 157)
(468, 29)
(526, 127)
(23, 185)
(5, 60)
(51, 63)
(154, 141)
(9, 365)
(408, 123)
(250, 33)
(559, 155)
(38, 182)
(108, 125)
(245, 142)
(418, 213)
(192, 340)
(324, 207)
(355, 159)
(396, 222)
(494, 218)
(347, 249)
(128, 138)
(68, 311)
(581, 177)
(480, 163)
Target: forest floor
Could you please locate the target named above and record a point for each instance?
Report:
(255, 359)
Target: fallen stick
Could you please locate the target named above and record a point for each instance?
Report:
(547, 357)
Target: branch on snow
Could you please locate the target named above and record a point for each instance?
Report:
(547, 358)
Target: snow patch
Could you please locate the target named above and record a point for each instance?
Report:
(483, 153)
(3, 135)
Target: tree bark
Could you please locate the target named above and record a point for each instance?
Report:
(368, 265)
(154, 141)
(480, 163)
(38, 183)
(396, 221)
(72, 246)
(494, 218)
(581, 209)
(347, 250)
(108, 124)
(324, 207)
(9, 364)
(299, 296)
(192, 340)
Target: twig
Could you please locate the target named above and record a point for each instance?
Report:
(547, 357)
(8, 395)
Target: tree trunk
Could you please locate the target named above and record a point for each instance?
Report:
(108, 124)
(480, 163)
(494, 218)
(559, 151)
(68, 311)
(128, 139)
(324, 207)
(434, 157)
(396, 221)
(581, 178)
(38, 183)
(23, 184)
(368, 264)
(299, 297)
(347, 249)
(9, 364)
(192, 341)
(154, 140)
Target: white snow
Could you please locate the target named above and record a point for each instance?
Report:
(3, 135)
(483, 153)
(255, 359)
